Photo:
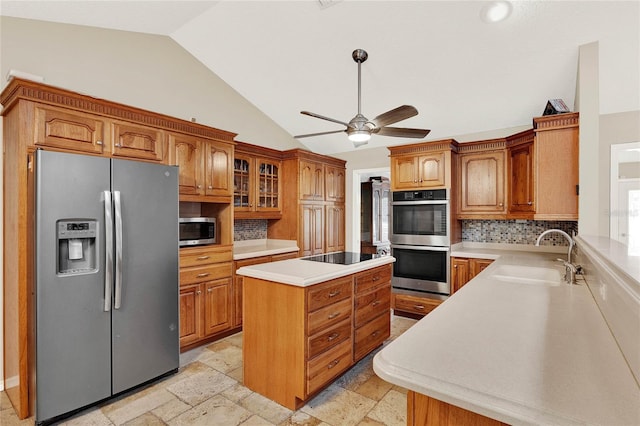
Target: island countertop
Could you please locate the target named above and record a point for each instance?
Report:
(303, 273)
(518, 353)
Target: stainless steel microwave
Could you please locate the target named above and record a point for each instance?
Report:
(195, 231)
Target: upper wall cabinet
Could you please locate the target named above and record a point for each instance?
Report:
(520, 167)
(257, 182)
(334, 183)
(482, 188)
(69, 130)
(136, 141)
(311, 180)
(422, 166)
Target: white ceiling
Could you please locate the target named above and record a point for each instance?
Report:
(464, 76)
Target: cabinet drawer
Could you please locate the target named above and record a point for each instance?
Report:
(252, 261)
(371, 335)
(328, 293)
(205, 273)
(328, 316)
(328, 338)
(328, 365)
(370, 305)
(415, 305)
(373, 278)
(204, 257)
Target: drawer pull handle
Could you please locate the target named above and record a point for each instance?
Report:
(419, 307)
(203, 257)
(204, 274)
(375, 333)
(375, 278)
(333, 363)
(332, 316)
(333, 337)
(334, 293)
(376, 303)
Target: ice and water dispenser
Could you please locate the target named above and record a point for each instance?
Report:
(76, 246)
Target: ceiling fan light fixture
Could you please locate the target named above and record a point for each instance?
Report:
(359, 137)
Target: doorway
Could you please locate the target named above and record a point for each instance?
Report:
(361, 175)
(625, 195)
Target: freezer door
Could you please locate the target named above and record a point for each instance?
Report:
(73, 345)
(145, 311)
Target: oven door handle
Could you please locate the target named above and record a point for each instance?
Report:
(422, 248)
(418, 203)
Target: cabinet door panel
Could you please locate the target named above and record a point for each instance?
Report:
(311, 180)
(218, 167)
(186, 153)
(404, 173)
(335, 228)
(431, 170)
(334, 184)
(76, 132)
(521, 182)
(135, 141)
(482, 183)
(459, 273)
(217, 313)
(190, 314)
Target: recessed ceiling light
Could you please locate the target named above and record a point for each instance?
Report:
(495, 11)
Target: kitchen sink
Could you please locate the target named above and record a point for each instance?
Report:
(527, 275)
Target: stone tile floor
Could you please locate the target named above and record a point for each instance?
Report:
(208, 391)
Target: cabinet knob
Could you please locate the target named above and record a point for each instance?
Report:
(199, 292)
(118, 145)
(98, 142)
(209, 290)
(199, 186)
(455, 266)
(529, 203)
(210, 187)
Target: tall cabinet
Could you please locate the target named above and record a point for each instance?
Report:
(39, 116)
(313, 210)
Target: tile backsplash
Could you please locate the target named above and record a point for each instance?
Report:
(249, 229)
(516, 231)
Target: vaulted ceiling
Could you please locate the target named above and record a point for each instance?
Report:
(464, 75)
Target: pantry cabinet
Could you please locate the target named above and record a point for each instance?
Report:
(482, 192)
(257, 182)
(313, 214)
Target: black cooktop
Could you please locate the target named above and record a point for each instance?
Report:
(342, 258)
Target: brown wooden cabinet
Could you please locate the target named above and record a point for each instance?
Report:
(423, 171)
(325, 329)
(520, 173)
(39, 116)
(464, 269)
(423, 411)
(237, 279)
(413, 306)
(205, 168)
(310, 214)
(257, 182)
(206, 294)
(482, 190)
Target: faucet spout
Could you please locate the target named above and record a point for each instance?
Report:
(561, 232)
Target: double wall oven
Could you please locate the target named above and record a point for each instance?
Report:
(420, 242)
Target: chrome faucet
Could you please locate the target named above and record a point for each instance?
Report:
(567, 236)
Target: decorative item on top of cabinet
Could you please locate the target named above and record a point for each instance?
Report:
(413, 306)
(39, 116)
(482, 192)
(206, 290)
(464, 269)
(314, 221)
(425, 165)
(257, 174)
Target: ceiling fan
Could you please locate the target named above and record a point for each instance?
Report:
(360, 128)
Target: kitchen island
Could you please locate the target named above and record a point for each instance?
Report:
(308, 321)
(515, 346)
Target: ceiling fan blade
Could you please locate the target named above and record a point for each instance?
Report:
(322, 117)
(319, 134)
(393, 116)
(401, 132)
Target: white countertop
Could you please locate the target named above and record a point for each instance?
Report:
(519, 353)
(304, 273)
(264, 247)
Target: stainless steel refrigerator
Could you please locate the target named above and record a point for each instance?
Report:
(106, 287)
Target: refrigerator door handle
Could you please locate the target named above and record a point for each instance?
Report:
(118, 224)
(108, 249)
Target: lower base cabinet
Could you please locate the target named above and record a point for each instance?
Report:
(464, 269)
(312, 333)
(413, 306)
(206, 294)
(423, 411)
